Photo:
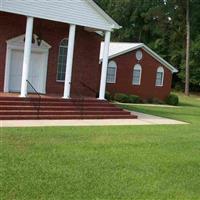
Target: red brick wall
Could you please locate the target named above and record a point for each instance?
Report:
(147, 88)
(86, 70)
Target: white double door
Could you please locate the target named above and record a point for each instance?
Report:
(37, 71)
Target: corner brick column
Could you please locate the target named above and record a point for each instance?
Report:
(27, 55)
(104, 65)
(69, 63)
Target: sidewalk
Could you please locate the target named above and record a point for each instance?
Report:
(143, 119)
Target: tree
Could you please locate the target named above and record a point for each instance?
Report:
(187, 69)
(169, 27)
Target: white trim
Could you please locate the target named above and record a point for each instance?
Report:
(60, 81)
(69, 63)
(17, 43)
(104, 67)
(137, 67)
(26, 56)
(114, 24)
(59, 55)
(122, 52)
(162, 61)
(115, 75)
(32, 49)
(138, 55)
(148, 50)
(46, 57)
(161, 70)
(51, 11)
(7, 69)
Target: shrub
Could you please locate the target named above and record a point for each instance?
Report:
(153, 101)
(133, 99)
(144, 101)
(120, 97)
(172, 99)
(149, 100)
(157, 101)
(108, 96)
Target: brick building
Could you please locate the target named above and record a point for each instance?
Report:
(135, 69)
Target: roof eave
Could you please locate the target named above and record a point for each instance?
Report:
(114, 26)
(155, 55)
(123, 52)
(113, 23)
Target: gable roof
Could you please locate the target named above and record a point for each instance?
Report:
(80, 12)
(120, 48)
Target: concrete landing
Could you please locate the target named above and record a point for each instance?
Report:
(143, 119)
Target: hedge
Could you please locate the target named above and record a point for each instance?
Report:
(172, 99)
(120, 97)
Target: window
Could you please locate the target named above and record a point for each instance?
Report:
(159, 76)
(111, 73)
(138, 55)
(137, 72)
(62, 58)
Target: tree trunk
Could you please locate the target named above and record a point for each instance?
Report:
(187, 70)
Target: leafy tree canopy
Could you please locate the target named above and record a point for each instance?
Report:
(161, 25)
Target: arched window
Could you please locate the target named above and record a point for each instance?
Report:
(137, 73)
(112, 72)
(62, 58)
(160, 76)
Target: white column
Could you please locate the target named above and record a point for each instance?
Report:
(69, 63)
(7, 69)
(104, 65)
(27, 55)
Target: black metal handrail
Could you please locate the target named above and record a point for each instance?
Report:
(88, 87)
(39, 101)
(81, 105)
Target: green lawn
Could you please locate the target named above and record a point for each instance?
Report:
(110, 163)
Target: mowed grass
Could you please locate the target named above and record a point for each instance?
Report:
(105, 163)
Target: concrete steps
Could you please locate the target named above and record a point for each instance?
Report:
(15, 108)
(56, 108)
(69, 117)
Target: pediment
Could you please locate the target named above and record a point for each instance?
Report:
(36, 43)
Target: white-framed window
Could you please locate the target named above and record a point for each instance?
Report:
(111, 72)
(137, 73)
(138, 55)
(160, 76)
(62, 58)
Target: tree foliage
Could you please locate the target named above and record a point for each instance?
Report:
(161, 25)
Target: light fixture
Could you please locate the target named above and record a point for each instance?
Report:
(33, 39)
(39, 41)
